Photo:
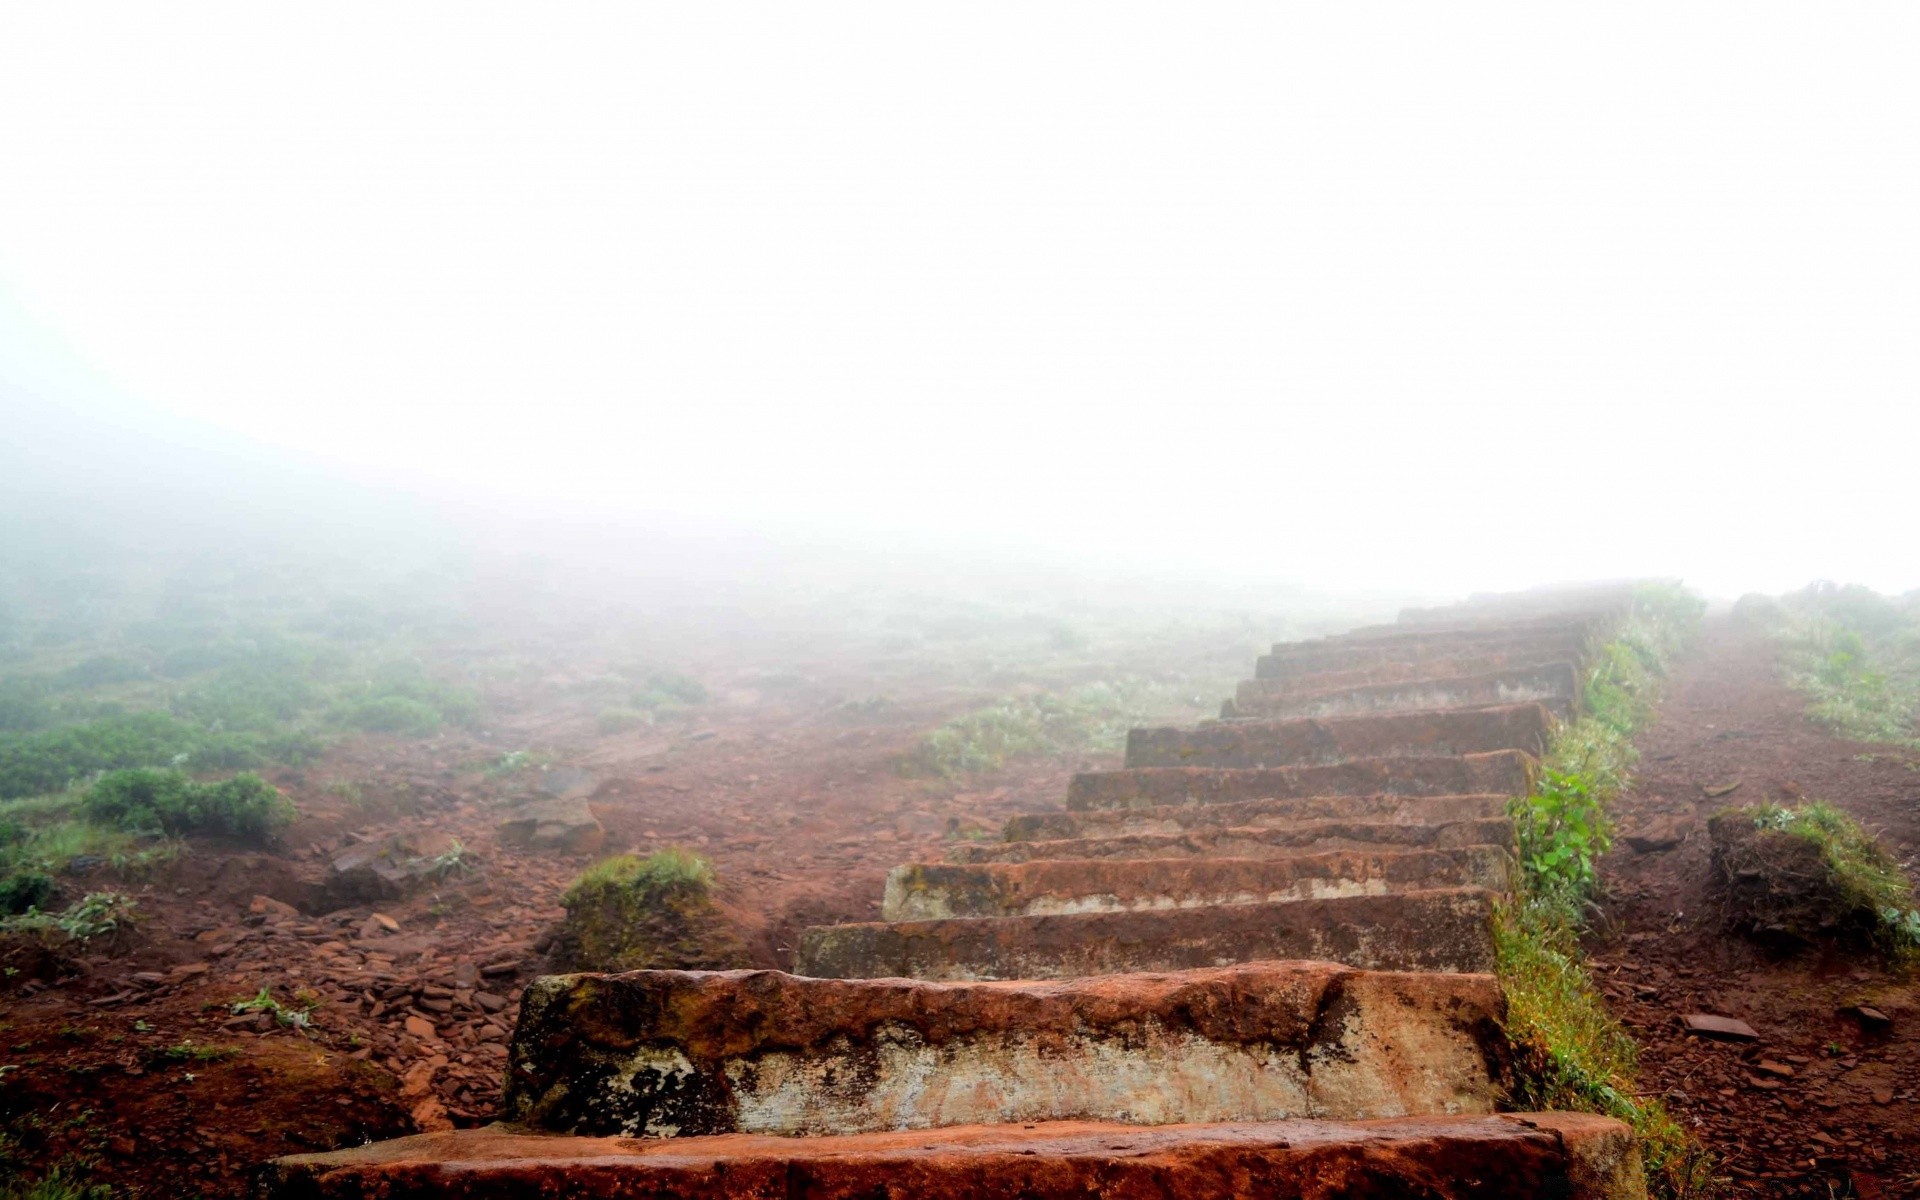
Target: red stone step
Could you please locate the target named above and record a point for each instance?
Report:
(1556, 686)
(1321, 742)
(1506, 772)
(682, 1053)
(1251, 841)
(1512, 1156)
(1446, 929)
(1380, 807)
(1310, 658)
(936, 891)
(1251, 693)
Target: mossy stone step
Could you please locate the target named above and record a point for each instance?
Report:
(676, 1053)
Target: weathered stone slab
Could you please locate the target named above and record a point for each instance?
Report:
(1415, 622)
(1516, 1156)
(672, 1053)
(1308, 658)
(935, 891)
(565, 824)
(1255, 814)
(1318, 742)
(1506, 772)
(1254, 841)
(1251, 694)
(1556, 686)
(1441, 930)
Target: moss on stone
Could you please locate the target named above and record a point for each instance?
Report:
(655, 913)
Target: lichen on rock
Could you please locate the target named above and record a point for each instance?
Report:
(630, 913)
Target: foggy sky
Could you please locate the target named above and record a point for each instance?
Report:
(1425, 297)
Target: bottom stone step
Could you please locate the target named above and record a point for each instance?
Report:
(1445, 929)
(1518, 1156)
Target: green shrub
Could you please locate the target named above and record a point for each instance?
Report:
(618, 720)
(1093, 717)
(144, 800)
(1561, 830)
(99, 671)
(24, 890)
(401, 715)
(33, 764)
(108, 916)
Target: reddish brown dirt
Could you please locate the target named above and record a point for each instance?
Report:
(801, 808)
(1848, 1116)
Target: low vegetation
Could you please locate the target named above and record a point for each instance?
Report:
(1573, 1054)
(1855, 655)
(168, 802)
(630, 913)
(1812, 873)
(107, 917)
(1092, 718)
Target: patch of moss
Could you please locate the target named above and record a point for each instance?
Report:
(655, 913)
(1811, 873)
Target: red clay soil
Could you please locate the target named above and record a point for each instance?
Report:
(1822, 1102)
(136, 1062)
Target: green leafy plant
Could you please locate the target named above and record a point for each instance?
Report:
(296, 1016)
(147, 800)
(1562, 828)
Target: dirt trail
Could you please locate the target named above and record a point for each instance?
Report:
(1848, 1113)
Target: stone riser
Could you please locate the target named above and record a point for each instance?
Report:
(1507, 773)
(1361, 655)
(1312, 837)
(938, 891)
(1251, 694)
(670, 1053)
(1556, 686)
(1570, 1156)
(1442, 930)
(1259, 744)
(1255, 814)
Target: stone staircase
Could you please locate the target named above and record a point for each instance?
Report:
(1255, 961)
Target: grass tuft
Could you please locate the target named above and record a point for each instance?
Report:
(1571, 1052)
(669, 869)
(1812, 871)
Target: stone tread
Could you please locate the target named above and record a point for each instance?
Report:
(1250, 841)
(1262, 814)
(685, 1053)
(1332, 740)
(1508, 772)
(1251, 693)
(935, 891)
(1444, 929)
(1511, 1156)
(1357, 655)
(1555, 685)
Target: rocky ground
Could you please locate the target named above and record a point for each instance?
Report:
(388, 1001)
(1824, 1097)
(387, 991)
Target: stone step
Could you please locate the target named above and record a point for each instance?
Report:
(1506, 772)
(1469, 624)
(1535, 604)
(1308, 658)
(1253, 692)
(1330, 740)
(1509, 1156)
(936, 891)
(1307, 837)
(678, 1053)
(1260, 814)
(1555, 686)
(1446, 929)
